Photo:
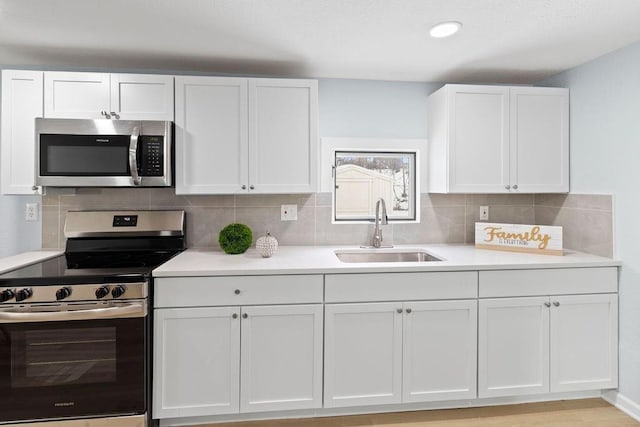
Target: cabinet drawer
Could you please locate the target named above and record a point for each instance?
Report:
(400, 286)
(506, 283)
(237, 290)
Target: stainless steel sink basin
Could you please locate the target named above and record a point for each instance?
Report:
(372, 256)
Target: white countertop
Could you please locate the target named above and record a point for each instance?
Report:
(322, 259)
(16, 261)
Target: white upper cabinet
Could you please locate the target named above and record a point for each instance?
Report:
(497, 139)
(73, 95)
(539, 134)
(142, 97)
(211, 135)
(283, 135)
(21, 104)
(236, 135)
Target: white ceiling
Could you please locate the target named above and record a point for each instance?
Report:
(502, 41)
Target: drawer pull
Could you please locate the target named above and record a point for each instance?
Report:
(399, 311)
(234, 315)
(237, 292)
(245, 315)
(556, 304)
(547, 304)
(408, 310)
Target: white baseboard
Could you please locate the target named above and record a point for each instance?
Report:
(378, 409)
(623, 403)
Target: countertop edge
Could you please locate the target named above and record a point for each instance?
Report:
(308, 260)
(23, 259)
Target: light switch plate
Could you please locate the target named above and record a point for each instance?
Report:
(289, 212)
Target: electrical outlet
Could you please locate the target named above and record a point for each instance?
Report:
(288, 212)
(31, 212)
(484, 213)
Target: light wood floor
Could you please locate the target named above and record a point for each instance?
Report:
(570, 413)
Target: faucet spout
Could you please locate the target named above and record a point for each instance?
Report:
(376, 241)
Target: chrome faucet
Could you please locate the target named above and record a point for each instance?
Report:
(376, 241)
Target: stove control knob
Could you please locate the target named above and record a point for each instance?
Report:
(63, 293)
(6, 295)
(118, 291)
(23, 294)
(102, 292)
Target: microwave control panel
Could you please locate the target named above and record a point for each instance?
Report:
(152, 156)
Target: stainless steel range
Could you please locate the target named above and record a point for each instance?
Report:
(75, 329)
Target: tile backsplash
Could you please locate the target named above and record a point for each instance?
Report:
(445, 218)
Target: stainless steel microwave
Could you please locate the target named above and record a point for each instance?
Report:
(103, 153)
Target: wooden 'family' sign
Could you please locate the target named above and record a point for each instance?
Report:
(540, 239)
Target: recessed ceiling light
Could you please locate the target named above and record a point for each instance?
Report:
(445, 29)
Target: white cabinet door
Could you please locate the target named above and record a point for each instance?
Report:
(513, 346)
(196, 362)
(584, 342)
(498, 139)
(142, 97)
(281, 358)
(363, 354)
(439, 351)
(76, 95)
(211, 133)
(479, 139)
(21, 104)
(539, 139)
(283, 135)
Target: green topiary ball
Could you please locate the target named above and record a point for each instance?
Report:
(235, 238)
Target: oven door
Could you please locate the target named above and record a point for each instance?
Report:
(78, 362)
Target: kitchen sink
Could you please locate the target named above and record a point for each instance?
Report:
(375, 256)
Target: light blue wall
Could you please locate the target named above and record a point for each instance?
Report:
(605, 158)
(16, 234)
(377, 109)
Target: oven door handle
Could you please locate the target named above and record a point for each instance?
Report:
(133, 156)
(131, 310)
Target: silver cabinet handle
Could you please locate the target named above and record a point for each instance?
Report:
(515, 186)
(252, 187)
(408, 310)
(234, 315)
(547, 304)
(103, 113)
(115, 115)
(245, 315)
(244, 187)
(399, 311)
(237, 292)
(556, 304)
(133, 156)
(507, 187)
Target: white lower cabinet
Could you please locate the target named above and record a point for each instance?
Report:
(547, 344)
(393, 352)
(196, 361)
(231, 348)
(225, 360)
(281, 358)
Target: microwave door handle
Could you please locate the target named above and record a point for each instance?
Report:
(133, 156)
(131, 310)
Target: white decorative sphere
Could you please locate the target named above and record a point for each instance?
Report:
(267, 245)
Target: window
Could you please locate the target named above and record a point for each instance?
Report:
(361, 178)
